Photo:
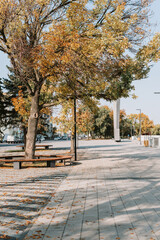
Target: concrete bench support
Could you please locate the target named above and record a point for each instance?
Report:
(51, 163)
(17, 165)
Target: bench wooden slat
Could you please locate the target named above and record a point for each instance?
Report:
(37, 155)
(37, 159)
(37, 145)
(46, 146)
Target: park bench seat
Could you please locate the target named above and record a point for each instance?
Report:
(46, 146)
(50, 161)
(21, 156)
(11, 156)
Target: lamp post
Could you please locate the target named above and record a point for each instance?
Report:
(139, 125)
(75, 130)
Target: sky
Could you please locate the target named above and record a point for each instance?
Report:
(147, 101)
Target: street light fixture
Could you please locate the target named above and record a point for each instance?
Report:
(139, 125)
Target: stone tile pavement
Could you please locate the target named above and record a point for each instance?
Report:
(113, 192)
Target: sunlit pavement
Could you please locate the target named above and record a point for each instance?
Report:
(113, 192)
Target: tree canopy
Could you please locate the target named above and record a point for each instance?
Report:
(67, 48)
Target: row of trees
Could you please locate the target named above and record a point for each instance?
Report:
(62, 50)
(98, 122)
(15, 108)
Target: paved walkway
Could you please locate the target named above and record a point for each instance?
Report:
(112, 193)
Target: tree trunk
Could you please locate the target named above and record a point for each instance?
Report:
(32, 127)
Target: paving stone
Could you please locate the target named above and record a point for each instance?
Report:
(114, 193)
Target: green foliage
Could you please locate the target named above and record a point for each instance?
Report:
(59, 49)
(8, 115)
(156, 130)
(85, 120)
(125, 125)
(146, 123)
(18, 118)
(103, 123)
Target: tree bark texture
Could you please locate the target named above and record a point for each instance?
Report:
(32, 127)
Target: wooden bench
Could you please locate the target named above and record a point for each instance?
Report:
(11, 156)
(17, 163)
(36, 156)
(21, 156)
(46, 146)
